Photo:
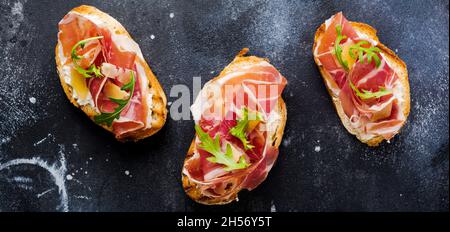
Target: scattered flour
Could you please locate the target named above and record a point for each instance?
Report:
(17, 9)
(152, 36)
(32, 100)
(272, 28)
(5, 140)
(171, 15)
(82, 197)
(45, 192)
(69, 177)
(317, 148)
(273, 208)
(22, 179)
(286, 141)
(24, 186)
(42, 140)
(57, 172)
(18, 109)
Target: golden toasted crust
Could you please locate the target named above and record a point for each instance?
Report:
(159, 111)
(394, 61)
(190, 187)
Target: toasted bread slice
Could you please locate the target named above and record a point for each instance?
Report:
(394, 61)
(191, 187)
(158, 106)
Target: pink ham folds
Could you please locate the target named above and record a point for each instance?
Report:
(358, 75)
(245, 95)
(105, 72)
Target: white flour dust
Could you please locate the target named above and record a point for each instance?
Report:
(273, 208)
(57, 171)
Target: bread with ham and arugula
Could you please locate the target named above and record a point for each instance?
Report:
(239, 123)
(103, 72)
(368, 82)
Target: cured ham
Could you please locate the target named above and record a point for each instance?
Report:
(250, 86)
(325, 47)
(359, 75)
(108, 73)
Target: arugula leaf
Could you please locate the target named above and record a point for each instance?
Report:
(93, 69)
(338, 49)
(212, 146)
(368, 94)
(81, 44)
(239, 131)
(108, 118)
(371, 53)
(87, 73)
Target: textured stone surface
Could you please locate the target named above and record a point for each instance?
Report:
(320, 168)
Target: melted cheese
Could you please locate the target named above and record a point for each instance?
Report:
(346, 53)
(80, 91)
(113, 91)
(79, 87)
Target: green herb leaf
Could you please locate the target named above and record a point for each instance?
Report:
(81, 44)
(212, 146)
(366, 94)
(108, 118)
(239, 131)
(93, 69)
(371, 53)
(338, 49)
(88, 73)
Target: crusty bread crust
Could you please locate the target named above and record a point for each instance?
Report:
(159, 101)
(190, 187)
(394, 61)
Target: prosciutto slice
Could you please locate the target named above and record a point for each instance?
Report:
(256, 86)
(379, 116)
(373, 116)
(324, 49)
(116, 62)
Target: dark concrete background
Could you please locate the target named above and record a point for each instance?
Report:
(409, 174)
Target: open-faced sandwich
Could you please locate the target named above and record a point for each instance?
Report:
(103, 72)
(366, 80)
(239, 123)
